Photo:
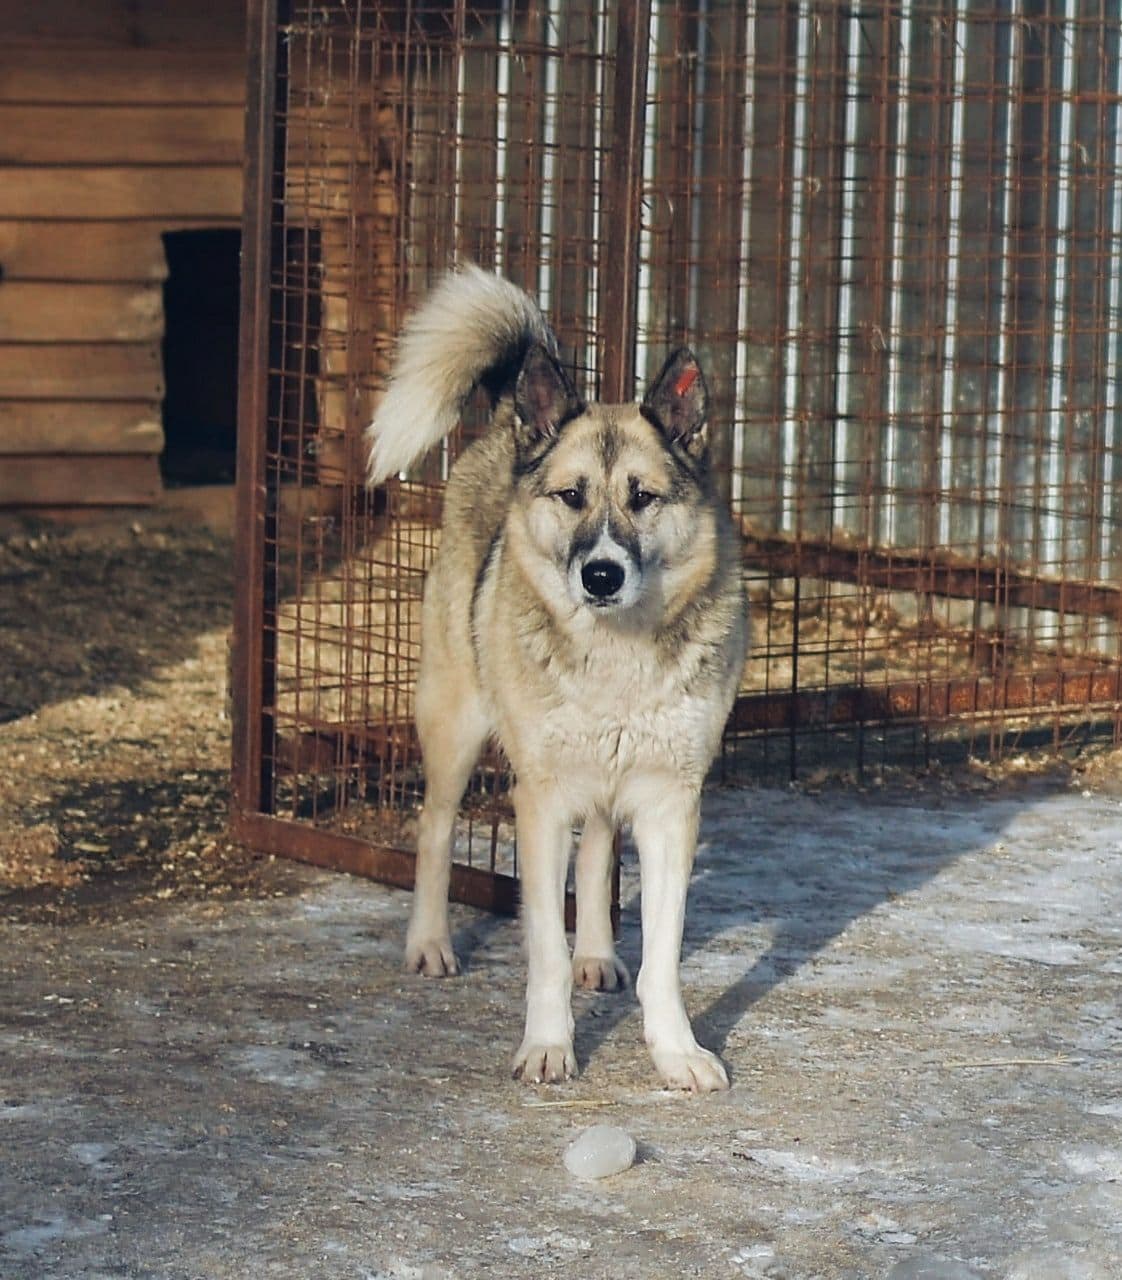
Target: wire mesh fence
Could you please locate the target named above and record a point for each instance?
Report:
(893, 233)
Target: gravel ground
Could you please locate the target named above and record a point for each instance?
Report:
(211, 1066)
(114, 736)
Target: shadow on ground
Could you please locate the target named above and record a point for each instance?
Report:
(794, 871)
(83, 611)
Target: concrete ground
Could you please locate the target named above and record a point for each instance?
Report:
(917, 999)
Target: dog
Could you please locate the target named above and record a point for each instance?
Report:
(586, 610)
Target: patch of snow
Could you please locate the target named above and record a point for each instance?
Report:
(804, 1166)
(931, 1268)
(278, 1066)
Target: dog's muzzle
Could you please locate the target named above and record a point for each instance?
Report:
(602, 579)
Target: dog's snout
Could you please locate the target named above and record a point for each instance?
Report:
(602, 578)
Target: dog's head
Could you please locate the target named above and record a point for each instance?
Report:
(612, 501)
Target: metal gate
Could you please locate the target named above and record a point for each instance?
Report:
(893, 232)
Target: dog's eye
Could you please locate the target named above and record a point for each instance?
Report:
(573, 498)
(642, 498)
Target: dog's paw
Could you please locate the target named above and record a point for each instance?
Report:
(600, 973)
(696, 1070)
(544, 1063)
(434, 958)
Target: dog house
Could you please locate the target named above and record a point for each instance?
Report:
(893, 233)
(120, 201)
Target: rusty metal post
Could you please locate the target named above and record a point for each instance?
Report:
(622, 188)
(251, 781)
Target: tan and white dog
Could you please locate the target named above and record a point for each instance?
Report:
(585, 610)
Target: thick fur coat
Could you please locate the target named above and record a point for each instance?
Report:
(586, 610)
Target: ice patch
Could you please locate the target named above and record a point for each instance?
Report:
(1011, 944)
(278, 1066)
(1106, 1109)
(1100, 1163)
(553, 1242)
(759, 1262)
(37, 1236)
(806, 1167)
(884, 1230)
(407, 1271)
(91, 1153)
(600, 1152)
(1060, 1262)
(931, 1268)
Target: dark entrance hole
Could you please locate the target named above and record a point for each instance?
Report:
(201, 355)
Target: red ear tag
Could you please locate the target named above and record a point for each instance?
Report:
(686, 379)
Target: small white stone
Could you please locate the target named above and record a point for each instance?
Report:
(600, 1151)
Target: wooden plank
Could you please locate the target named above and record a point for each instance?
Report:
(81, 371)
(34, 312)
(73, 426)
(120, 135)
(89, 251)
(207, 192)
(52, 480)
(145, 24)
(122, 76)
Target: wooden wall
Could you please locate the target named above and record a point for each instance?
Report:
(119, 120)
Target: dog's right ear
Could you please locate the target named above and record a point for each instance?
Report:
(544, 397)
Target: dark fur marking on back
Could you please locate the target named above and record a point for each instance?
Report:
(503, 374)
(477, 587)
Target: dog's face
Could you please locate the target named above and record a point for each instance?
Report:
(613, 499)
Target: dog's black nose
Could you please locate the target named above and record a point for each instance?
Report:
(602, 578)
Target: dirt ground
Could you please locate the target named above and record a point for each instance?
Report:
(211, 1066)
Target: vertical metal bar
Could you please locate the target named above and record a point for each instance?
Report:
(800, 147)
(250, 788)
(697, 169)
(554, 15)
(502, 125)
(460, 62)
(650, 174)
(1112, 405)
(959, 30)
(1051, 550)
(622, 185)
(845, 456)
(995, 478)
(889, 470)
(743, 287)
(593, 310)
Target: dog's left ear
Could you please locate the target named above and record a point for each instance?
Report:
(678, 401)
(544, 397)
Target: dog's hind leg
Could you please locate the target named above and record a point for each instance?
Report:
(665, 830)
(596, 966)
(452, 728)
(544, 844)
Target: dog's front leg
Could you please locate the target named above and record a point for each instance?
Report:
(544, 844)
(665, 830)
(595, 963)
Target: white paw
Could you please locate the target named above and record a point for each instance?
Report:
(600, 973)
(696, 1069)
(434, 958)
(544, 1063)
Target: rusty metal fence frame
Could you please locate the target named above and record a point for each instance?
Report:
(918, 421)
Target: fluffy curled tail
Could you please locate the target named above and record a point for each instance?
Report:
(473, 327)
